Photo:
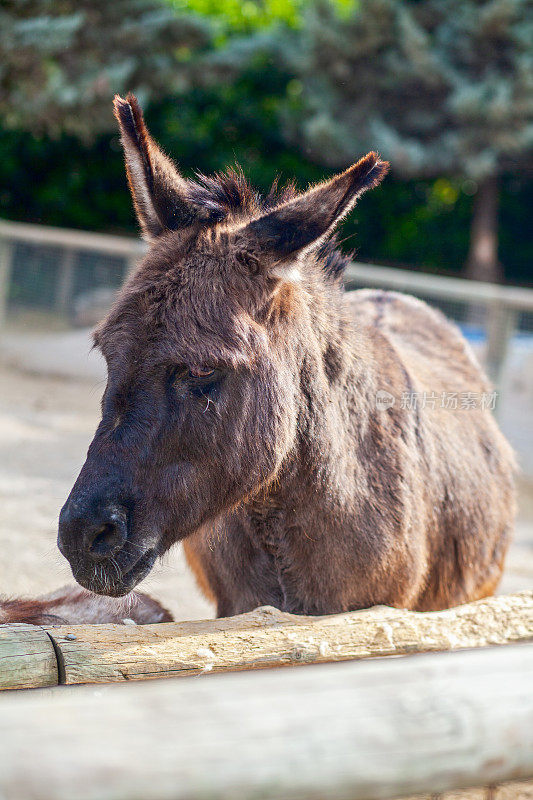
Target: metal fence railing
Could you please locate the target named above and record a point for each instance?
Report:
(55, 278)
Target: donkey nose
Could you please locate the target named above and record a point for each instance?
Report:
(106, 538)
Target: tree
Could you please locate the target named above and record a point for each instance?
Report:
(236, 83)
(62, 62)
(440, 87)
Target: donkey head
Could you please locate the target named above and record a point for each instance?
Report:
(204, 348)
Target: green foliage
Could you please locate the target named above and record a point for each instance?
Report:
(422, 224)
(62, 62)
(84, 185)
(244, 16)
(291, 89)
(440, 87)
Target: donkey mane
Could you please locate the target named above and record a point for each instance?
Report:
(228, 196)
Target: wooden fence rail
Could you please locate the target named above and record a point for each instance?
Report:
(33, 656)
(363, 731)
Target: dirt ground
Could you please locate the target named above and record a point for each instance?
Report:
(46, 425)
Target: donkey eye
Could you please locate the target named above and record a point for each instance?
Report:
(198, 379)
(201, 373)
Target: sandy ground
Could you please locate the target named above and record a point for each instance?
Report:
(46, 425)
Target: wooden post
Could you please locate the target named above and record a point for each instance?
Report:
(6, 257)
(27, 658)
(361, 731)
(131, 264)
(501, 324)
(65, 281)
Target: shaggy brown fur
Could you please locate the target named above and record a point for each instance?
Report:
(72, 605)
(240, 413)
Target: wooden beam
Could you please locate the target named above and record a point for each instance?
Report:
(426, 285)
(358, 273)
(269, 638)
(262, 638)
(70, 238)
(358, 730)
(27, 658)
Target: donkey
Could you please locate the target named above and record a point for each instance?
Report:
(244, 412)
(73, 606)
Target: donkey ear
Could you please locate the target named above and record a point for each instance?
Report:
(303, 222)
(159, 192)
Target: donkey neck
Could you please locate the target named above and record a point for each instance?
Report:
(337, 371)
(320, 490)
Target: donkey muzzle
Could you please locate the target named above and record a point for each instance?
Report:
(94, 540)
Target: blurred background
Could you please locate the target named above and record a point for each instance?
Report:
(290, 89)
